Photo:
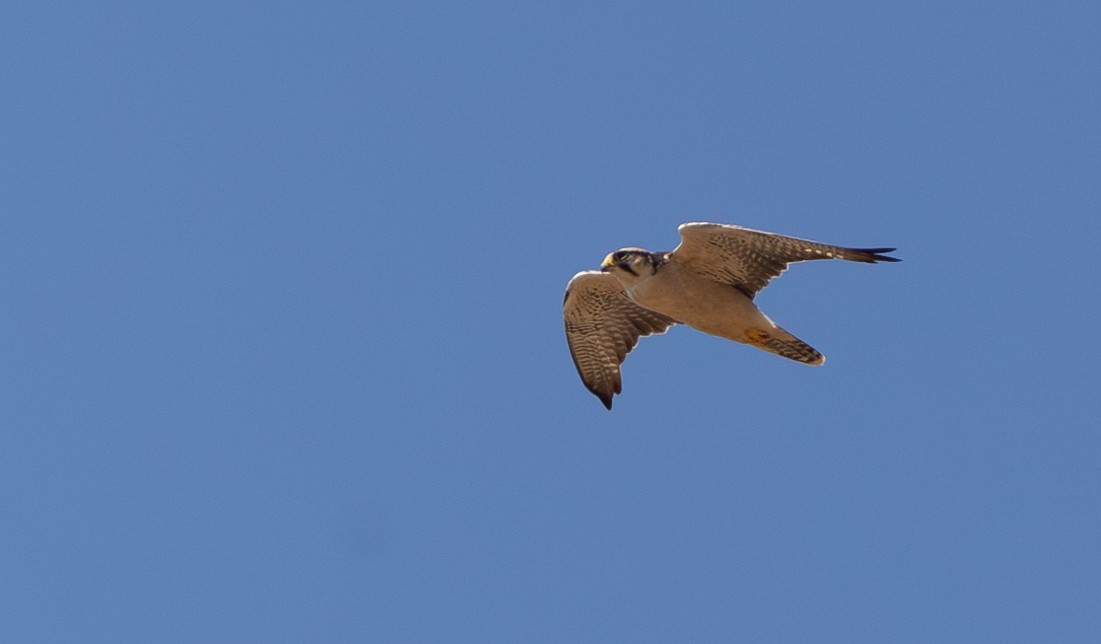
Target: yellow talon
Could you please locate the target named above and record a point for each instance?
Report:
(756, 336)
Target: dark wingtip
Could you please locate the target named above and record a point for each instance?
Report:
(879, 255)
(604, 396)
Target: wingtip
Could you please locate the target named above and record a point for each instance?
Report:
(607, 400)
(880, 254)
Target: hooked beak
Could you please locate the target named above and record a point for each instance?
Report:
(607, 263)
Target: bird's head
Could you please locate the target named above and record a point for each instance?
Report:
(629, 265)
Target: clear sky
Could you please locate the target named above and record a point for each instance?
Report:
(282, 353)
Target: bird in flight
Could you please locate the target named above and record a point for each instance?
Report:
(707, 282)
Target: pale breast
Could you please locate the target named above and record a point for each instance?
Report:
(707, 305)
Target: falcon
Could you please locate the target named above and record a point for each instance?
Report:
(707, 282)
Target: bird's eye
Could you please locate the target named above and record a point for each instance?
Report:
(620, 256)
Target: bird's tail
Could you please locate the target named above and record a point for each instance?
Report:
(782, 343)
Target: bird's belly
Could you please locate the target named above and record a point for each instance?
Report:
(711, 307)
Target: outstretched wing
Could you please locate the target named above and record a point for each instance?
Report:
(748, 259)
(602, 326)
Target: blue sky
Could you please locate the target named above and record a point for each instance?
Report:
(282, 343)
